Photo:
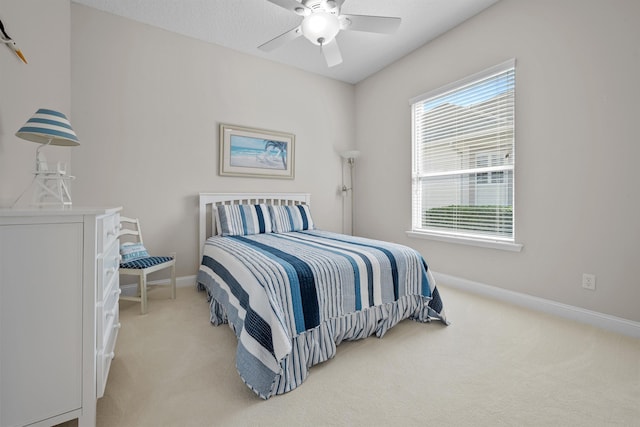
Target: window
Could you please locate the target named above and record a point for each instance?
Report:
(463, 157)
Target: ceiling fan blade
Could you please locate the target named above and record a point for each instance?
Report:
(292, 5)
(332, 53)
(282, 39)
(372, 24)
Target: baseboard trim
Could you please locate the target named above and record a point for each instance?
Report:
(593, 318)
(129, 289)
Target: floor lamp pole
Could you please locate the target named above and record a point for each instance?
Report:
(351, 162)
(350, 156)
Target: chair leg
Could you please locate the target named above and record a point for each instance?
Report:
(173, 281)
(143, 293)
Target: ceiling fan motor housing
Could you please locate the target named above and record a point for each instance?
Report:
(326, 5)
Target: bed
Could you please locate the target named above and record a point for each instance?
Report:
(292, 292)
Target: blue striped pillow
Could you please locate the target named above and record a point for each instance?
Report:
(291, 218)
(132, 251)
(242, 220)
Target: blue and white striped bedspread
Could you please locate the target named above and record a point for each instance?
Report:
(291, 298)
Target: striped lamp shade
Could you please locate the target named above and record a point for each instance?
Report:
(48, 127)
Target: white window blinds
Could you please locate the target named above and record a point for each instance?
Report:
(463, 157)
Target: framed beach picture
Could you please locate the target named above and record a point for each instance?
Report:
(256, 152)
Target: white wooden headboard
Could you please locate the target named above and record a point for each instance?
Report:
(207, 227)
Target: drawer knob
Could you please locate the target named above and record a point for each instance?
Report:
(117, 325)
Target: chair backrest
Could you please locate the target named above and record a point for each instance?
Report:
(130, 227)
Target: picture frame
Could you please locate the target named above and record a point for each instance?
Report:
(252, 152)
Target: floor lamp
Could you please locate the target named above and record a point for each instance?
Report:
(49, 127)
(350, 157)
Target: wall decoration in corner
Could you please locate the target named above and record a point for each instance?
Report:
(258, 153)
(4, 38)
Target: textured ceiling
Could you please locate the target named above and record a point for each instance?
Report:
(243, 25)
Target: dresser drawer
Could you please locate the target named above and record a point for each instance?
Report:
(105, 356)
(107, 270)
(108, 229)
(107, 315)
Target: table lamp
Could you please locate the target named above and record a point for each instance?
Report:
(49, 127)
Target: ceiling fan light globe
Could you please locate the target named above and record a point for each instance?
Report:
(320, 25)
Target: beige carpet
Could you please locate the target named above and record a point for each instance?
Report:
(496, 365)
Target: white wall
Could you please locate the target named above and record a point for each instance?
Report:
(577, 148)
(147, 104)
(42, 83)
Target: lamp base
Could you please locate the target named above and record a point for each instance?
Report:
(49, 186)
(51, 189)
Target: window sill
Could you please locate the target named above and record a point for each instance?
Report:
(492, 244)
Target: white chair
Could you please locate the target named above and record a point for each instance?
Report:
(143, 265)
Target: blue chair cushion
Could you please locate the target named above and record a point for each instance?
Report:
(142, 263)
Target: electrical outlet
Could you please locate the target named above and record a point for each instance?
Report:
(589, 281)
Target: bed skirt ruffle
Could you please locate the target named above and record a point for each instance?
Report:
(319, 344)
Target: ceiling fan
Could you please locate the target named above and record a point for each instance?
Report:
(322, 21)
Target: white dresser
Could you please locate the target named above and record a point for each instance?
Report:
(59, 321)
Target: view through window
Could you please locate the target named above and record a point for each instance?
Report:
(463, 157)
